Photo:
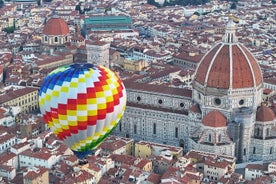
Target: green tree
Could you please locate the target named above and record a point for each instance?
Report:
(9, 29)
(1, 3)
(273, 1)
(196, 13)
(233, 6)
(152, 2)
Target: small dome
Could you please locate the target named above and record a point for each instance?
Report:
(214, 119)
(56, 26)
(264, 114)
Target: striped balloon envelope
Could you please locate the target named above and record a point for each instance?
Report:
(82, 104)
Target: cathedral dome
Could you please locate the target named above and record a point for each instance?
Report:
(264, 114)
(56, 26)
(228, 65)
(214, 119)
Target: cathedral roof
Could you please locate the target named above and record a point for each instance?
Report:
(56, 26)
(214, 119)
(195, 108)
(229, 65)
(264, 114)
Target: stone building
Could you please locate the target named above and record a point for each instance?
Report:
(98, 53)
(55, 35)
(222, 113)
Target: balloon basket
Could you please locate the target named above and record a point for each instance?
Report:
(83, 154)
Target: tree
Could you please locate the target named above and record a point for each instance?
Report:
(273, 1)
(196, 13)
(233, 6)
(1, 3)
(152, 2)
(78, 7)
(9, 29)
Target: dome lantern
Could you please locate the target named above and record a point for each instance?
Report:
(230, 36)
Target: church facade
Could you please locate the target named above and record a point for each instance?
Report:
(223, 112)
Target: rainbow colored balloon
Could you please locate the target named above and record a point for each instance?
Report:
(82, 104)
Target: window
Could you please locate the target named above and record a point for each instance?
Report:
(254, 150)
(135, 129)
(217, 101)
(219, 138)
(46, 38)
(241, 102)
(210, 138)
(244, 151)
(154, 128)
(138, 98)
(176, 132)
(56, 39)
(271, 150)
(181, 104)
(120, 127)
(160, 101)
(267, 132)
(258, 131)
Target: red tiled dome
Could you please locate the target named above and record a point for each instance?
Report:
(264, 114)
(214, 119)
(229, 65)
(56, 26)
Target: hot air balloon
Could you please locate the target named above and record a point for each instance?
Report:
(82, 104)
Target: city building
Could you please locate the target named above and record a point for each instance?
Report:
(26, 98)
(117, 145)
(6, 141)
(55, 35)
(41, 158)
(107, 23)
(7, 172)
(254, 171)
(36, 175)
(98, 53)
(1, 73)
(146, 149)
(272, 167)
(222, 113)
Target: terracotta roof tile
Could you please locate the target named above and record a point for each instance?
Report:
(56, 26)
(195, 108)
(216, 66)
(214, 119)
(264, 114)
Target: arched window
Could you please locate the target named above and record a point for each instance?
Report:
(271, 150)
(210, 138)
(267, 132)
(244, 151)
(176, 132)
(135, 129)
(258, 131)
(219, 138)
(254, 150)
(46, 38)
(56, 39)
(154, 128)
(120, 126)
